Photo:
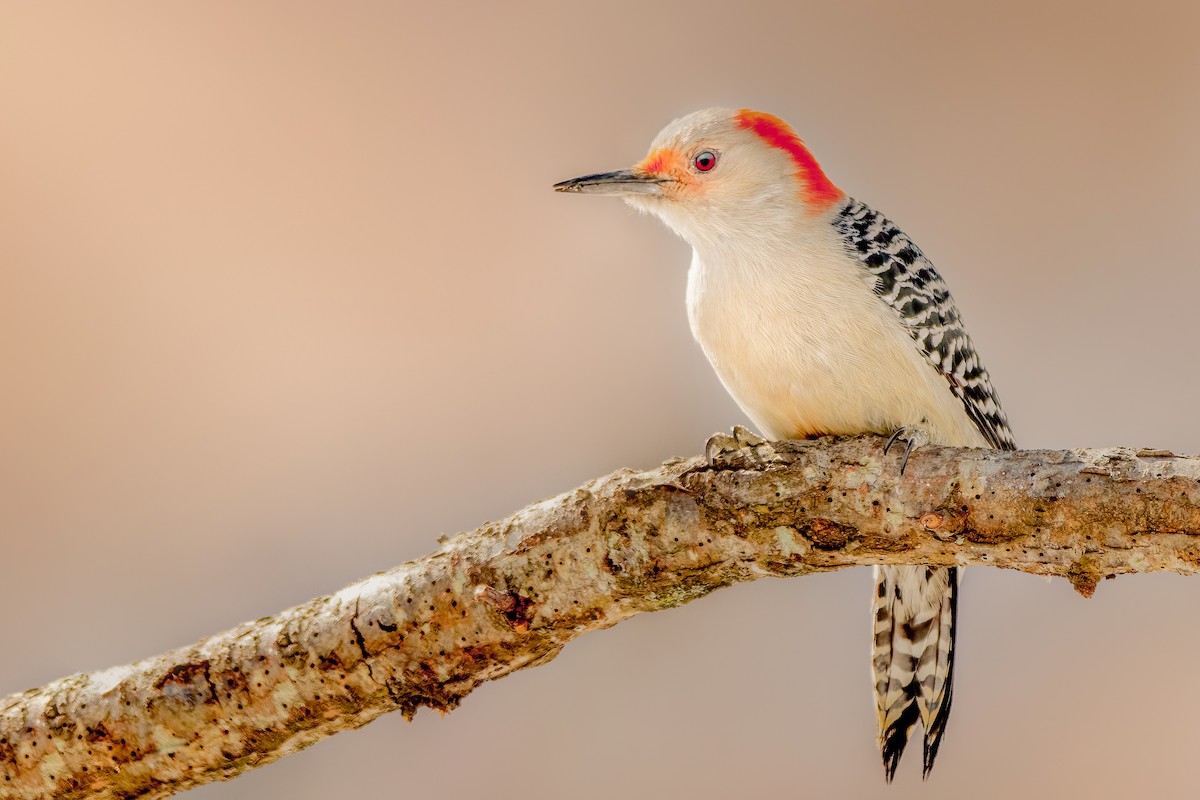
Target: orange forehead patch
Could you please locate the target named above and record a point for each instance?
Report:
(664, 161)
(816, 189)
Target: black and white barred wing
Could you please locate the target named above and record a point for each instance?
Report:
(907, 281)
(916, 608)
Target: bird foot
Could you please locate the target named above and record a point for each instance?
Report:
(739, 449)
(912, 436)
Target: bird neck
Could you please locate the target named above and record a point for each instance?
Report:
(764, 239)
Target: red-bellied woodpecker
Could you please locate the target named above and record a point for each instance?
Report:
(821, 317)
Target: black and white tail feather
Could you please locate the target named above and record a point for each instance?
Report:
(915, 613)
(915, 609)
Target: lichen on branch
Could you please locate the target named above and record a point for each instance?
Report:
(512, 593)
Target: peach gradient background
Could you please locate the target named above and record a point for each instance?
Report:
(284, 294)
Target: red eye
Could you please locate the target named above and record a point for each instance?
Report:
(705, 160)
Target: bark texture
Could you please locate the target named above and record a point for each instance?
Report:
(510, 594)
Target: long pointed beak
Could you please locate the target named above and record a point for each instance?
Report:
(624, 181)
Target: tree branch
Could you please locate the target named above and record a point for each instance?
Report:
(510, 594)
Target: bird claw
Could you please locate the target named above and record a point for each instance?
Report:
(739, 449)
(913, 437)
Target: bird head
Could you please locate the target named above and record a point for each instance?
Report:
(717, 168)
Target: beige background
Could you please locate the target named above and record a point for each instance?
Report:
(284, 294)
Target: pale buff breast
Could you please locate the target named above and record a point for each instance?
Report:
(805, 347)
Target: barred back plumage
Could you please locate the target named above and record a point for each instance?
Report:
(907, 281)
(915, 609)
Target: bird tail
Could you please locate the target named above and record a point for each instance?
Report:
(915, 612)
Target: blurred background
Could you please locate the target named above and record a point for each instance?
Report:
(285, 294)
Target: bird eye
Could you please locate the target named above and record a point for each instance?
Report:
(705, 160)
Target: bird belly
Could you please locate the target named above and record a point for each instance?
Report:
(811, 351)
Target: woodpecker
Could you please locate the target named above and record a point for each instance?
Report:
(820, 316)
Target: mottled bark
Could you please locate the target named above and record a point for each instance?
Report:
(512, 593)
